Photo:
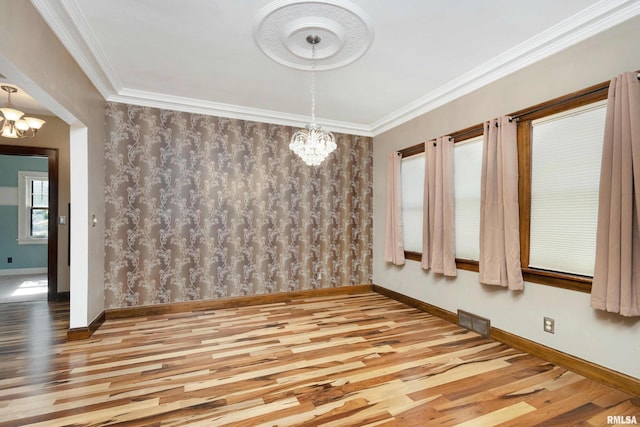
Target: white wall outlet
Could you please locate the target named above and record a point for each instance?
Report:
(549, 325)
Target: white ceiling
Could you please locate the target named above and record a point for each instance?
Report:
(200, 55)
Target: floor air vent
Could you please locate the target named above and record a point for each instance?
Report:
(474, 323)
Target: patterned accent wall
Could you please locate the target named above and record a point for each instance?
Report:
(201, 207)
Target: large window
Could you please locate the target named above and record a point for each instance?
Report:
(559, 154)
(565, 173)
(467, 174)
(33, 207)
(467, 171)
(412, 173)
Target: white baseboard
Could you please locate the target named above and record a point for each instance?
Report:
(23, 271)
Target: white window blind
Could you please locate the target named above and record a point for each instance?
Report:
(566, 157)
(467, 174)
(412, 172)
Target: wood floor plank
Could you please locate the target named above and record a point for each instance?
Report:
(340, 360)
(501, 415)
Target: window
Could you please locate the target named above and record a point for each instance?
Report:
(559, 154)
(412, 174)
(467, 172)
(33, 207)
(467, 177)
(566, 151)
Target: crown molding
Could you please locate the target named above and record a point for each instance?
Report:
(69, 24)
(198, 106)
(589, 22)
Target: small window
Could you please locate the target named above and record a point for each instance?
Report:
(565, 175)
(412, 172)
(33, 207)
(467, 177)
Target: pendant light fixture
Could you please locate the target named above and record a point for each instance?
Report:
(312, 144)
(15, 124)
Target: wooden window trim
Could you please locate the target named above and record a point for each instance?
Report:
(525, 116)
(413, 256)
(458, 136)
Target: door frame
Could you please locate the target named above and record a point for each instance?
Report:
(52, 245)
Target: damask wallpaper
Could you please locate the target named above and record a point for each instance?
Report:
(202, 207)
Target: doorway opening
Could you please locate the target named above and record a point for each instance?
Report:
(40, 219)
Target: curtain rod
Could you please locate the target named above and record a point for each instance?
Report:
(598, 92)
(595, 93)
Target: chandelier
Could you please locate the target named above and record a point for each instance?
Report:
(15, 124)
(312, 144)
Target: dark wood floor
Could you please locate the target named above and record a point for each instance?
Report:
(359, 360)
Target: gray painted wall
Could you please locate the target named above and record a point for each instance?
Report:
(50, 75)
(603, 338)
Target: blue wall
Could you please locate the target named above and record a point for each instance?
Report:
(24, 256)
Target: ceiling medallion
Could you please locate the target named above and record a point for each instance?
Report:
(280, 30)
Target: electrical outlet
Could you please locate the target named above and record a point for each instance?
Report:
(549, 325)
(9, 260)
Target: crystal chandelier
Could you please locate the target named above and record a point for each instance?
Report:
(312, 144)
(15, 125)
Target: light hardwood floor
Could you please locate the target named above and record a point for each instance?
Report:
(31, 287)
(357, 360)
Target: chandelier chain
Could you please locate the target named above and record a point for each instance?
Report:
(9, 91)
(313, 83)
(312, 143)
